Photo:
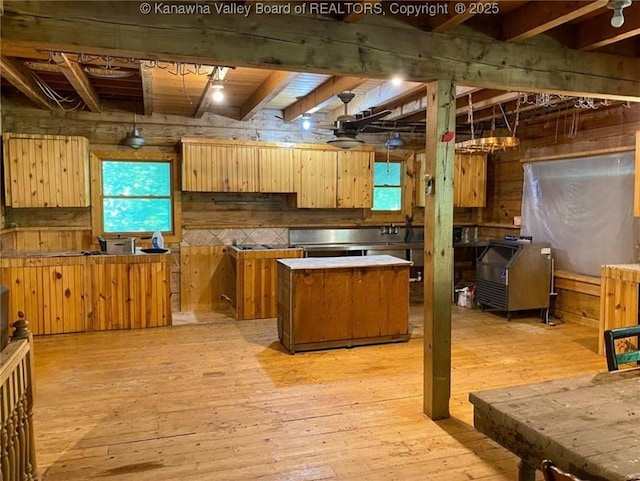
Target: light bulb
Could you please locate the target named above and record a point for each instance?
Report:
(218, 96)
(618, 18)
(306, 122)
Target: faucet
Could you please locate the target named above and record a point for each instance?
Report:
(393, 229)
(384, 229)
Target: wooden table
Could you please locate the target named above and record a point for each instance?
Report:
(618, 298)
(589, 425)
(342, 301)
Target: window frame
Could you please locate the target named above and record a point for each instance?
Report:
(99, 156)
(399, 186)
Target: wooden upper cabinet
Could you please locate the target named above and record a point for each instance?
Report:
(469, 180)
(355, 178)
(277, 170)
(46, 170)
(211, 165)
(318, 177)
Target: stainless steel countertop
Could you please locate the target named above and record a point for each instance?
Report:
(362, 247)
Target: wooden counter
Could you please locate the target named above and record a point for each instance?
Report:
(326, 302)
(255, 295)
(618, 298)
(76, 293)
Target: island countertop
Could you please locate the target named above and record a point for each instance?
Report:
(343, 262)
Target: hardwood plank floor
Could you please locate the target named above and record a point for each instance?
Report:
(219, 399)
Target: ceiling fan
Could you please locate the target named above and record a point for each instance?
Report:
(347, 127)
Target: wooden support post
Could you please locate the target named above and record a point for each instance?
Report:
(438, 251)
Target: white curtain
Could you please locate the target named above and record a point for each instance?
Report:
(584, 208)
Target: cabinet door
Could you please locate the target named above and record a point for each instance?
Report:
(51, 298)
(219, 168)
(469, 180)
(46, 170)
(277, 171)
(355, 179)
(318, 178)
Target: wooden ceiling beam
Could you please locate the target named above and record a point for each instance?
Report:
(329, 89)
(534, 18)
(355, 50)
(366, 8)
(146, 74)
(598, 32)
(20, 77)
(275, 83)
(79, 81)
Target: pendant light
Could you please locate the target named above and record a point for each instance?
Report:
(617, 6)
(134, 140)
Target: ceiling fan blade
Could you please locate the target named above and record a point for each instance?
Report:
(357, 124)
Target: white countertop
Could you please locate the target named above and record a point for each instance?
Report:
(343, 262)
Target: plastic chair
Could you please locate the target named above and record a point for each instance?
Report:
(553, 473)
(631, 353)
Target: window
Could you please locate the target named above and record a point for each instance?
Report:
(136, 193)
(387, 186)
(136, 196)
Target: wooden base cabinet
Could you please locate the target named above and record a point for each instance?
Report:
(255, 281)
(326, 302)
(65, 294)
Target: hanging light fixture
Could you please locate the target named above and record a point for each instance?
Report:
(617, 6)
(344, 141)
(217, 85)
(394, 142)
(496, 141)
(306, 121)
(134, 140)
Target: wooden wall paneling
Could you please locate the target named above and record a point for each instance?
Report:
(318, 178)
(276, 169)
(619, 291)
(420, 159)
(355, 179)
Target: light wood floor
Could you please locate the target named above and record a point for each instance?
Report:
(220, 400)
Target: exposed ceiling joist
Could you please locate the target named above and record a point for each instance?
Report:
(325, 92)
(146, 74)
(272, 86)
(597, 32)
(359, 13)
(444, 23)
(79, 81)
(472, 60)
(20, 77)
(534, 18)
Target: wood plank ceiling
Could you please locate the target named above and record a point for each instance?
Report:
(55, 80)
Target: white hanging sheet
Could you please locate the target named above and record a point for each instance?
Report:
(584, 208)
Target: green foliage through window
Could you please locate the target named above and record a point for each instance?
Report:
(136, 196)
(387, 186)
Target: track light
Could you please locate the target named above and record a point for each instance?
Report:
(617, 20)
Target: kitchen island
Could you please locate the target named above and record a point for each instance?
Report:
(326, 302)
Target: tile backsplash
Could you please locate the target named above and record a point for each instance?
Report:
(258, 235)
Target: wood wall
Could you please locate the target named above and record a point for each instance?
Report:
(66, 229)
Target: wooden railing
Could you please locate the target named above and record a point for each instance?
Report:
(17, 442)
